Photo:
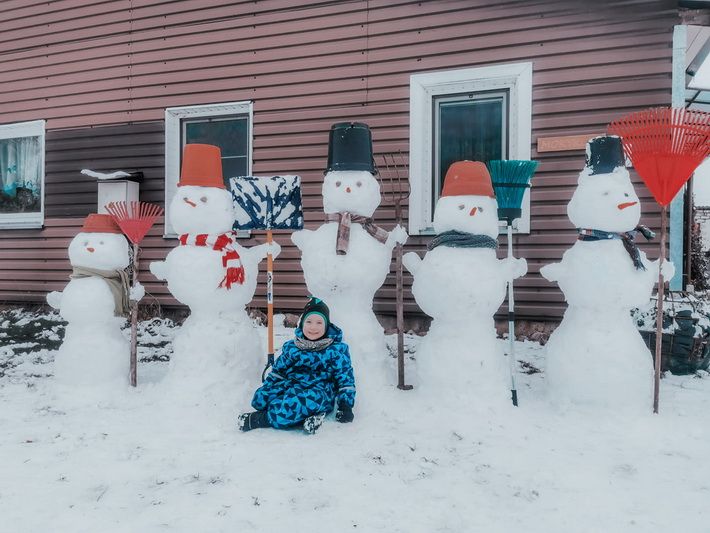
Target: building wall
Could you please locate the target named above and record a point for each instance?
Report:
(102, 74)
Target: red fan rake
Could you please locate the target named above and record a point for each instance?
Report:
(665, 145)
(135, 220)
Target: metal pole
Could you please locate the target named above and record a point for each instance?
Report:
(270, 299)
(511, 323)
(659, 311)
(400, 307)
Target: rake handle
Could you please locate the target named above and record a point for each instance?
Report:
(659, 313)
(133, 375)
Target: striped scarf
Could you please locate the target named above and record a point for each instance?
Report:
(223, 242)
(344, 220)
(312, 346)
(627, 239)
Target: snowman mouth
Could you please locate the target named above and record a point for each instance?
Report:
(625, 205)
(193, 204)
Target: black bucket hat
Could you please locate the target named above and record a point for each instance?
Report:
(604, 154)
(350, 147)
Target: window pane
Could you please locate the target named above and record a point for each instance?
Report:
(233, 167)
(470, 129)
(20, 175)
(231, 137)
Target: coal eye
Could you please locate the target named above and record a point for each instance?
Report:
(86, 243)
(626, 194)
(606, 193)
(338, 184)
(461, 207)
(359, 184)
(203, 199)
(480, 209)
(101, 242)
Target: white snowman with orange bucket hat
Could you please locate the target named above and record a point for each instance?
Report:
(596, 356)
(95, 304)
(461, 284)
(211, 273)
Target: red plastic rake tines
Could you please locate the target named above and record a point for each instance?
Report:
(134, 218)
(665, 145)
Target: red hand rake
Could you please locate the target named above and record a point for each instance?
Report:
(134, 219)
(665, 145)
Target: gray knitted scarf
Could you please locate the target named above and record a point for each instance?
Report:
(313, 346)
(459, 239)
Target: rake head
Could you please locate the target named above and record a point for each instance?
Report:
(665, 145)
(134, 218)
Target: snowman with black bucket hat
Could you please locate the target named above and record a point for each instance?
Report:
(347, 259)
(596, 356)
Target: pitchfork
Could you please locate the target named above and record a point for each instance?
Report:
(395, 187)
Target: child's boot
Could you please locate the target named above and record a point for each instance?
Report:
(313, 422)
(249, 421)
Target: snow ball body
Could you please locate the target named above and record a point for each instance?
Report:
(348, 282)
(93, 351)
(461, 289)
(194, 273)
(597, 356)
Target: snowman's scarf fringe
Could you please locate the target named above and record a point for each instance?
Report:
(344, 220)
(460, 239)
(223, 242)
(626, 238)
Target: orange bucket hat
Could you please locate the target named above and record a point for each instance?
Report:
(202, 166)
(468, 178)
(100, 224)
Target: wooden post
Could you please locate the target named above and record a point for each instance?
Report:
(134, 323)
(659, 312)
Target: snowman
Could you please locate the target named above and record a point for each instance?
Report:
(346, 260)
(95, 304)
(213, 275)
(461, 284)
(596, 356)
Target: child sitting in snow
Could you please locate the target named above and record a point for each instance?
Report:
(312, 372)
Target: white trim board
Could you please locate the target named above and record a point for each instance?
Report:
(516, 77)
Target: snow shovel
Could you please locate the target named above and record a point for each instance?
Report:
(267, 203)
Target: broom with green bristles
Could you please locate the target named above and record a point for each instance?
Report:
(510, 181)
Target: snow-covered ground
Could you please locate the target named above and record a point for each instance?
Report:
(148, 461)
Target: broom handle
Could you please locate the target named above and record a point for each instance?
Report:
(134, 323)
(270, 298)
(511, 323)
(659, 312)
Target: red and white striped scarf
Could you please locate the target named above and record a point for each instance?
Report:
(223, 242)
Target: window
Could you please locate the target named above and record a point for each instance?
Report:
(228, 126)
(22, 175)
(477, 114)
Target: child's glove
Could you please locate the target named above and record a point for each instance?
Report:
(344, 414)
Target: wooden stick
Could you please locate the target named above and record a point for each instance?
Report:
(134, 323)
(659, 312)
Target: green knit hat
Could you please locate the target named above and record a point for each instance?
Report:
(318, 307)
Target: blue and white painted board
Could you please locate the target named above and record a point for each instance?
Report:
(267, 202)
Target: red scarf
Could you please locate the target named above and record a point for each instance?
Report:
(224, 242)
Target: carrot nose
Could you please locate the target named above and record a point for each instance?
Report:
(90, 250)
(473, 211)
(193, 204)
(347, 189)
(625, 205)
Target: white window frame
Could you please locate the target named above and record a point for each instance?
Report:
(515, 77)
(34, 128)
(173, 143)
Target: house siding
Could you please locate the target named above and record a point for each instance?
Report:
(102, 74)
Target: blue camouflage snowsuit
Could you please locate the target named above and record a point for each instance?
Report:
(304, 383)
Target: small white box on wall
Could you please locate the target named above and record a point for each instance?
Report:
(116, 191)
